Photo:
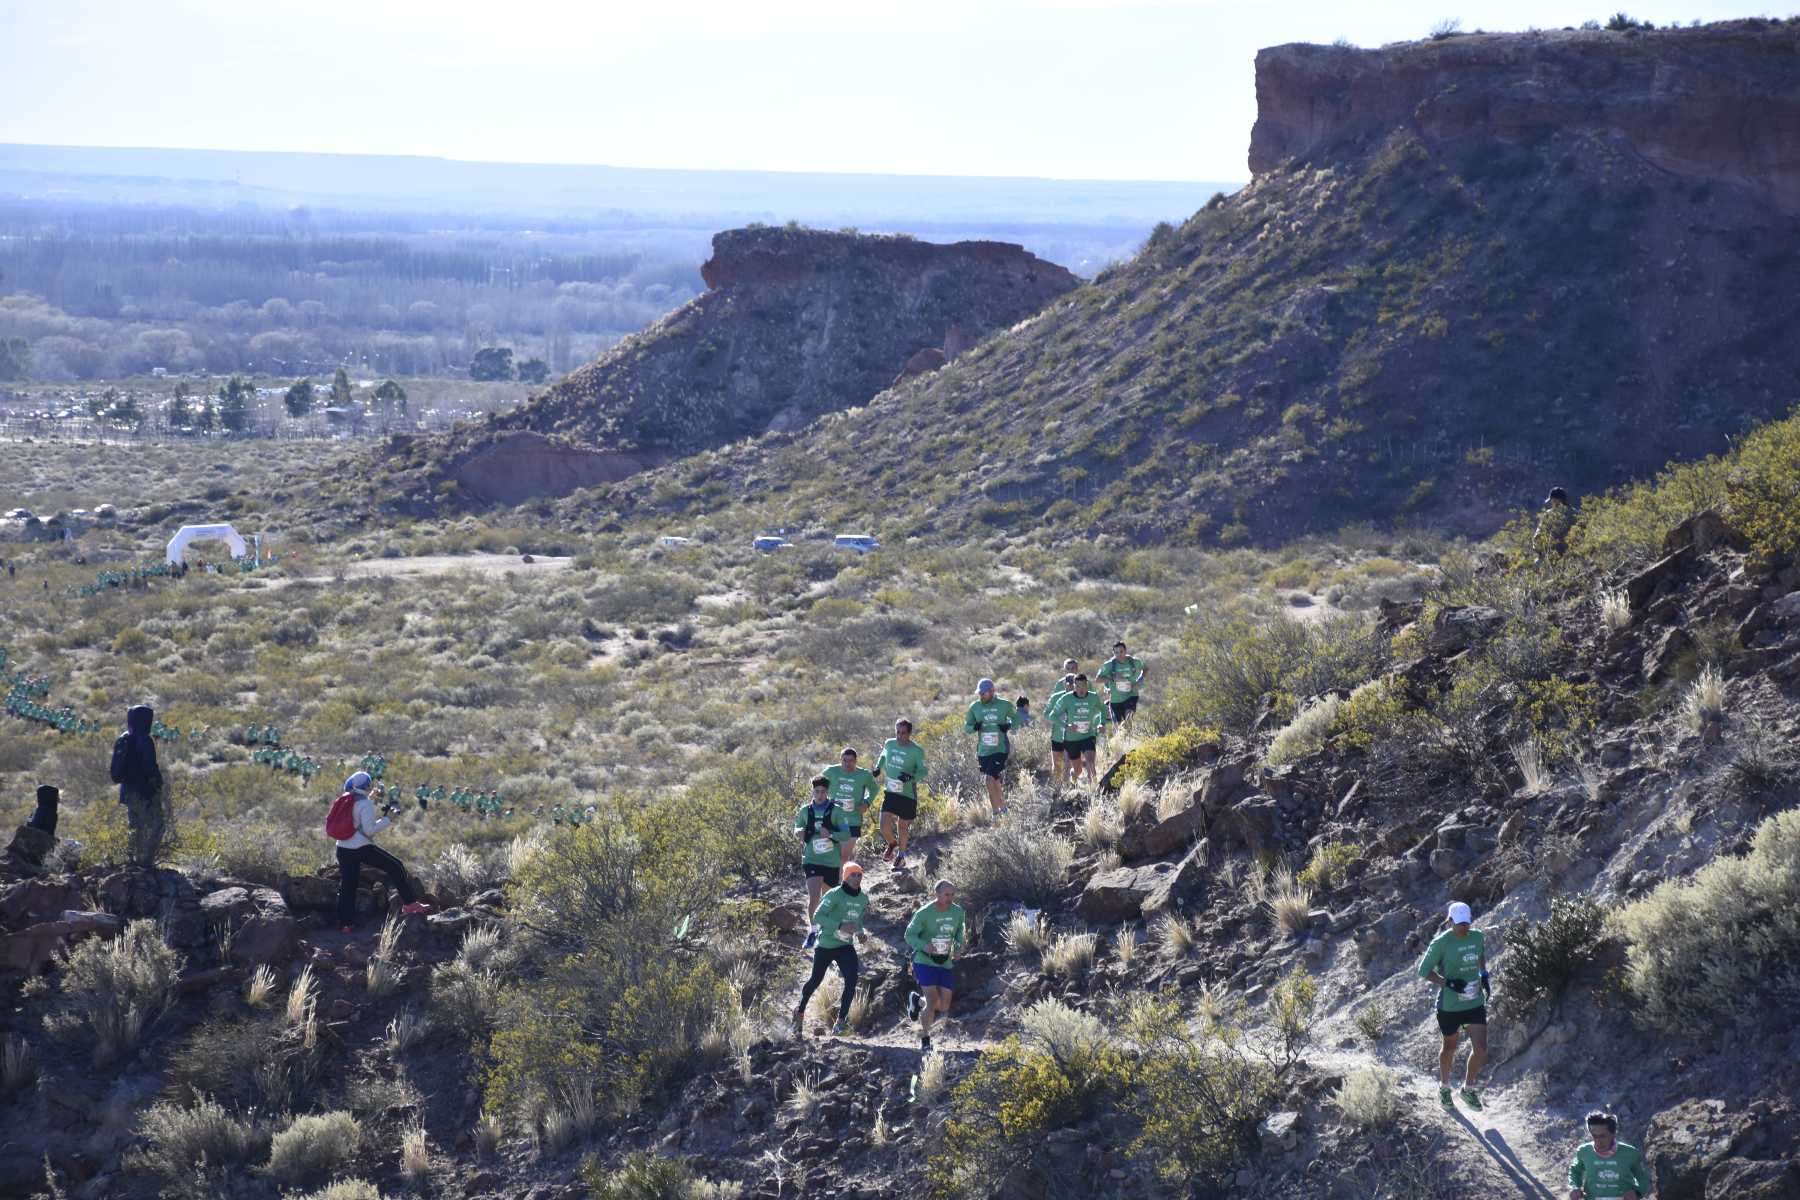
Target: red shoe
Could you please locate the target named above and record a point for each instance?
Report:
(416, 908)
(347, 929)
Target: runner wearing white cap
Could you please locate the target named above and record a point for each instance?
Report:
(1456, 961)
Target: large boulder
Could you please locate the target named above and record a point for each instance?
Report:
(1657, 578)
(142, 892)
(31, 948)
(28, 849)
(1224, 784)
(1179, 888)
(1662, 656)
(1686, 1142)
(1119, 894)
(1704, 532)
(1456, 627)
(1746, 1179)
(1160, 838)
(41, 898)
(1253, 823)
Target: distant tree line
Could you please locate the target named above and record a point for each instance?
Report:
(106, 293)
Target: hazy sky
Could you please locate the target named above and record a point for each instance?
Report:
(1152, 89)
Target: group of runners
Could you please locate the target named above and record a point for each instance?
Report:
(830, 825)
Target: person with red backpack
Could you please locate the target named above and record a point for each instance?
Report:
(353, 823)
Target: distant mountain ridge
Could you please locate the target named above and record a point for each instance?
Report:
(1466, 270)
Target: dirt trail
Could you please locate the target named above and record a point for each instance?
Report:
(427, 565)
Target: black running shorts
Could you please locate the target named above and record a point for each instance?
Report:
(991, 764)
(900, 806)
(828, 874)
(1450, 1022)
(1075, 749)
(1122, 708)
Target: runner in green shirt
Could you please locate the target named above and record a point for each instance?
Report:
(1059, 768)
(1083, 715)
(989, 719)
(1456, 961)
(936, 932)
(839, 920)
(821, 828)
(853, 791)
(900, 767)
(1123, 678)
(1606, 1168)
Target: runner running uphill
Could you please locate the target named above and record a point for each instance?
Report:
(1059, 769)
(1123, 678)
(1456, 961)
(901, 766)
(853, 791)
(359, 850)
(1606, 1168)
(936, 935)
(1082, 715)
(822, 829)
(989, 719)
(839, 920)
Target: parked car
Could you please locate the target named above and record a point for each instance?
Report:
(862, 543)
(769, 543)
(669, 539)
(18, 514)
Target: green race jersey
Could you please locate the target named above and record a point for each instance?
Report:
(989, 720)
(1455, 958)
(821, 844)
(1121, 679)
(851, 791)
(897, 760)
(1065, 684)
(838, 908)
(934, 931)
(1082, 717)
(1607, 1178)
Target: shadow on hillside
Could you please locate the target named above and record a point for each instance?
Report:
(1494, 1142)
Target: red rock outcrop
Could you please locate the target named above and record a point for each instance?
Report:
(1720, 102)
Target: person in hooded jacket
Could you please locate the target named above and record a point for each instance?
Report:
(135, 770)
(359, 850)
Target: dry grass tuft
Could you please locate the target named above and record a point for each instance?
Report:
(1369, 1098)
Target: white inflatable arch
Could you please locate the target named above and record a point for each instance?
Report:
(192, 533)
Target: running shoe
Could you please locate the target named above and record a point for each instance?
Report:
(1470, 1098)
(900, 861)
(800, 1020)
(841, 1029)
(914, 1003)
(416, 908)
(1445, 1100)
(811, 939)
(925, 1042)
(887, 854)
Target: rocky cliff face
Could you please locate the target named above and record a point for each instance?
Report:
(796, 322)
(1711, 104)
(1464, 272)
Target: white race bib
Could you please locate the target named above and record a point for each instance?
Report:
(940, 946)
(1081, 727)
(990, 738)
(847, 803)
(822, 845)
(894, 785)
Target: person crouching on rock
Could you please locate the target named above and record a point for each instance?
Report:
(44, 815)
(359, 850)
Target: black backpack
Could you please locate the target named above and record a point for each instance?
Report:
(122, 760)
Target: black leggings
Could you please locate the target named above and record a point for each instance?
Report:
(845, 958)
(350, 865)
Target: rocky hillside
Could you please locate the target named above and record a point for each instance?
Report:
(795, 323)
(1465, 270)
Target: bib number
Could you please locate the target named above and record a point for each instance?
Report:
(894, 785)
(1080, 726)
(822, 845)
(940, 946)
(990, 739)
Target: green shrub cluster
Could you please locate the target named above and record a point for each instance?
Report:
(1329, 866)
(1543, 956)
(1228, 664)
(645, 1176)
(1719, 948)
(1010, 862)
(1155, 760)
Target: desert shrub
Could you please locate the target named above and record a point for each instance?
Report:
(1718, 948)
(1229, 663)
(1369, 1097)
(1307, 732)
(1070, 956)
(1762, 490)
(460, 872)
(1164, 755)
(1009, 862)
(112, 988)
(1197, 1093)
(644, 595)
(18, 1067)
(343, 1189)
(178, 1139)
(622, 1001)
(261, 1060)
(1330, 865)
(1703, 704)
(1543, 956)
(312, 1147)
(1288, 902)
(645, 1176)
(1003, 1110)
(1079, 1042)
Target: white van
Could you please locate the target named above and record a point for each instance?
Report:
(862, 543)
(669, 539)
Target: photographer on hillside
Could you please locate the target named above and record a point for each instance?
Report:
(359, 849)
